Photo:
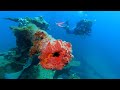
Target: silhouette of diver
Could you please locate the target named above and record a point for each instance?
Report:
(83, 27)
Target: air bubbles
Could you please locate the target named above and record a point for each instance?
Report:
(94, 20)
(86, 15)
(81, 12)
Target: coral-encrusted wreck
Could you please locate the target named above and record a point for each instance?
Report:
(40, 55)
(54, 54)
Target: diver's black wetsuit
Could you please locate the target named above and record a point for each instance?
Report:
(83, 27)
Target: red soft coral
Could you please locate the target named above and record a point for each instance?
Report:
(55, 54)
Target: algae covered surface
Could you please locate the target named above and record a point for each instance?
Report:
(39, 53)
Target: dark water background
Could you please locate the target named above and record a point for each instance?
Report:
(99, 53)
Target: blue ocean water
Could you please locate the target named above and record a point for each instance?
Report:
(98, 53)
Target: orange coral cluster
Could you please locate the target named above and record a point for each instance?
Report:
(54, 54)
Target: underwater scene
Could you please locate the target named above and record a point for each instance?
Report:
(59, 44)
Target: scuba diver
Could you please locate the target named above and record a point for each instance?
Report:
(83, 27)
